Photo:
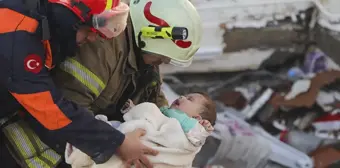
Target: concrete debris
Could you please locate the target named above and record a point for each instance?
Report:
(308, 98)
(273, 37)
(326, 157)
(296, 105)
(233, 99)
(297, 140)
(300, 86)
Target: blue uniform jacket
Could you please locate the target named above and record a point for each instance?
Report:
(25, 82)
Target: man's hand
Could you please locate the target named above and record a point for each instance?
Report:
(207, 125)
(133, 151)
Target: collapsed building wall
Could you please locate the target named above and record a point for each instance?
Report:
(241, 34)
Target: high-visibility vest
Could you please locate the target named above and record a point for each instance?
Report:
(27, 149)
(83, 75)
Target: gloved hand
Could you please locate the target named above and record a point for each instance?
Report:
(187, 123)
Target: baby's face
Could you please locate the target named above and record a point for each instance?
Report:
(191, 104)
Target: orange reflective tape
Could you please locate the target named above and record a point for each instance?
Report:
(48, 59)
(13, 21)
(42, 107)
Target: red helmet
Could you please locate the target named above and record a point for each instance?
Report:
(107, 16)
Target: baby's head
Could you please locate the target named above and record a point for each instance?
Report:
(197, 105)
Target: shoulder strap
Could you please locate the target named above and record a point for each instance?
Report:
(32, 4)
(38, 10)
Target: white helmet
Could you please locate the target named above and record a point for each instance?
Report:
(171, 28)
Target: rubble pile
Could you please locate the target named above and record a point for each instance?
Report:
(288, 117)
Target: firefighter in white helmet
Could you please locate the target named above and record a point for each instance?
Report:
(106, 73)
(169, 28)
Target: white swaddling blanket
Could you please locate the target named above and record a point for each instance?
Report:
(162, 134)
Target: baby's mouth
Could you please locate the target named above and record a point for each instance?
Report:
(176, 103)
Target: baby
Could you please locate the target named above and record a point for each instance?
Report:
(195, 114)
(192, 111)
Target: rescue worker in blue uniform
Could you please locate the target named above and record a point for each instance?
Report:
(26, 63)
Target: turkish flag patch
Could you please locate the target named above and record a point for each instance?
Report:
(33, 63)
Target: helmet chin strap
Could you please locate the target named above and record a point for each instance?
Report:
(141, 43)
(82, 7)
(85, 10)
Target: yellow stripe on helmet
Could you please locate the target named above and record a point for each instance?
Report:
(108, 4)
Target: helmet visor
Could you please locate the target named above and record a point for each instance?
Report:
(112, 22)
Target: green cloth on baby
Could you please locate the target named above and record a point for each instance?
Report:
(187, 123)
